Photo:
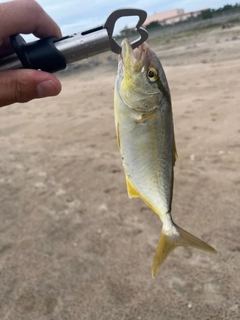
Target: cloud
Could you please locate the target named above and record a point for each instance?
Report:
(75, 16)
(88, 14)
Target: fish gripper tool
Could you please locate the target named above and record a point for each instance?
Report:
(52, 54)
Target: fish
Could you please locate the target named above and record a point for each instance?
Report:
(145, 137)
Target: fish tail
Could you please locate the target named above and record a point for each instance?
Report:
(172, 239)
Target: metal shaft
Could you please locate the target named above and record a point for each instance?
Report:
(83, 45)
(73, 47)
(10, 62)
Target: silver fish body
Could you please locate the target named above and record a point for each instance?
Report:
(144, 125)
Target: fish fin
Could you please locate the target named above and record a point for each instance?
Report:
(118, 136)
(175, 155)
(170, 240)
(132, 192)
(146, 117)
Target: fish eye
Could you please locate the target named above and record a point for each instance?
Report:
(152, 74)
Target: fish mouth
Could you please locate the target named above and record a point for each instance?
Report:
(133, 58)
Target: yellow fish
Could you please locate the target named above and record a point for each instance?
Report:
(145, 134)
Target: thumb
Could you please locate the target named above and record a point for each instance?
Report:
(25, 85)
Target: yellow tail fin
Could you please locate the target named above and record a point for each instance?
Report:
(169, 241)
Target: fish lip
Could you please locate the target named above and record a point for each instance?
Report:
(133, 57)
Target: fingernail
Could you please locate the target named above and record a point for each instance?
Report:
(47, 89)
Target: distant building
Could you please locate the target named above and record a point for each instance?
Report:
(163, 16)
(171, 16)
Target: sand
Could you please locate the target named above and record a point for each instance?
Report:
(73, 246)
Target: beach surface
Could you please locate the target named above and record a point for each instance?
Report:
(73, 245)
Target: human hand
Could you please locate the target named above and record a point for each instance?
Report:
(22, 85)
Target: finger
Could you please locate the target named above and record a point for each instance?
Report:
(25, 85)
(26, 16)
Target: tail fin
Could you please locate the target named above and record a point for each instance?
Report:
(169, 241)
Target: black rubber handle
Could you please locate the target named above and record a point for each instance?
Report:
(40, 54)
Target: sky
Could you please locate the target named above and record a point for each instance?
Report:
(79, 15)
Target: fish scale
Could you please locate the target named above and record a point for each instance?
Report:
(145, 132)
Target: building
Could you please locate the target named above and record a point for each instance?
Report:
(163, 16)
(171, 16)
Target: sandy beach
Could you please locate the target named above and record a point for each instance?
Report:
(72, 245)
